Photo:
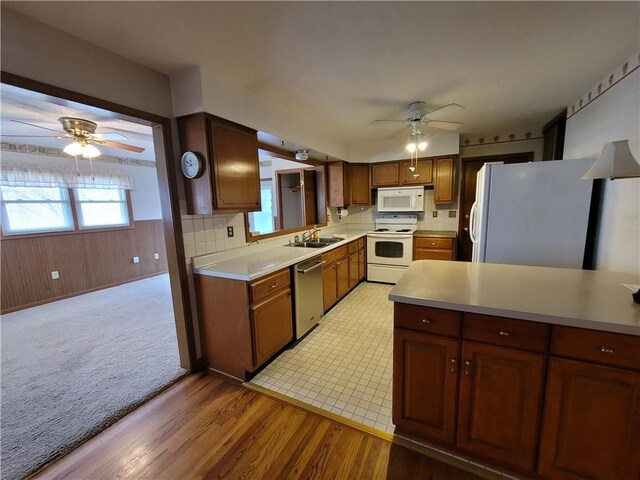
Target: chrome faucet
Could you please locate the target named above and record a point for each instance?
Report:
(306, 236)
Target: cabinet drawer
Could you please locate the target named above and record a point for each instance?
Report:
(427, 319)
(431, 242)
(600, 347)
(261, 289)
(507, 332)
(353, 246)
(428, 254)
(334, 255)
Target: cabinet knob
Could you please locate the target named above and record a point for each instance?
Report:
(467, 368)
(273, 285)
(453, 365)
(606, 350)
(503, 333)
(433, 244)
(426, 320)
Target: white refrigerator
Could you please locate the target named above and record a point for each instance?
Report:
(533, 213)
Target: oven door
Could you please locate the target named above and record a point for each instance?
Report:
(389, 249)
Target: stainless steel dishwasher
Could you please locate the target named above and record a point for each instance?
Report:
(308, 294)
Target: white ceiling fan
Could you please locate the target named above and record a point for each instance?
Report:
(418, 114)
(83, 136)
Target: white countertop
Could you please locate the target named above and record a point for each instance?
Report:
(563, 296)
(255, 261)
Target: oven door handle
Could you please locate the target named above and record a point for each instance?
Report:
(389, 236)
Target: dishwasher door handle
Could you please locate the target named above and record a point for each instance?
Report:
(317, 265)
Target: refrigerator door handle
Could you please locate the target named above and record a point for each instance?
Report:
(472, 222)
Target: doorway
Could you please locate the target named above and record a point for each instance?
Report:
(470, 167)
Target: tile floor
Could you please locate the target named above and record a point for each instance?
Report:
(345, 364)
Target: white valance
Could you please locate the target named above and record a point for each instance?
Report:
(32, 176)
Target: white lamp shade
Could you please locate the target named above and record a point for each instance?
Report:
(74, 148)
(615, 161)
(89, 151)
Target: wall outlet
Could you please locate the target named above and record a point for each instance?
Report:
(452, 214)
(435, 214)
(55, 275)
(229, 231)
(136, 259)
(156, 256)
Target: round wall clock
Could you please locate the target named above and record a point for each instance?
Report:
(192, 165)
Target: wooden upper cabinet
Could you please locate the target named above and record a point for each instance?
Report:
(424, 171)
(339, 177)
(385, 174)
(231, 179)
(444, 180)
(500, 398)
(360, 184)
(592, 423)
(425, 378)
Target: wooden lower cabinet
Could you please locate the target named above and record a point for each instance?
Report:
(362, 263)
(342, 273)
(591, 428)
(354, 277)
(433, 246)
(271, 326)
(425, 383)
(344, 268)
(329, 285)
(499, 403)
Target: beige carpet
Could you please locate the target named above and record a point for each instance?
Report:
(72, 367)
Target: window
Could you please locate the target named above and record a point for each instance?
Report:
(35, 209)
(99, 207)
(263, 221)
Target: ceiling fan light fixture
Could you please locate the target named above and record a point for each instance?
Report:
(422, 145)
(74, 148)
(89, 151)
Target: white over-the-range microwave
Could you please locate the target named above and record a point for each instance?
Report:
(401, 200)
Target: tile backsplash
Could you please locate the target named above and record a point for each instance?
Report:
(205, 234)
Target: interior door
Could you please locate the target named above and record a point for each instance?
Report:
(470, 167)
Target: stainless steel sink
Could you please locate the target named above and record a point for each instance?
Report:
(329, 241)
(309, 244)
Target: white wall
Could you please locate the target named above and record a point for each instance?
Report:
(40, 52)
(534, 145)
(145, 198)
(614, 115)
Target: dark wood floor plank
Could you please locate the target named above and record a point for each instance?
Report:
(208, 427)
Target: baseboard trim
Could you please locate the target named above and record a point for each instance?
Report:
(423, 449)
(76, 294)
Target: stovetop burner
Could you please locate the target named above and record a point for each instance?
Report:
(403, 230)
(381, 230)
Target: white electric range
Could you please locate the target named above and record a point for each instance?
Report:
(390, 247)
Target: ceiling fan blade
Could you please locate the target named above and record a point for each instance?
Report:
(443, 111)
(34, 136)
(37, 126)
(382, 121)
(109, 133)
(443, 125)
(122, 146)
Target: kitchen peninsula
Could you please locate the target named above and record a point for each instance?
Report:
(535, 370)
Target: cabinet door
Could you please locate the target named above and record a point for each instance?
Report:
(271, 326)
(592, 423)
(329, 285)
(342, 274)
(354, 275)
(425, 381)
(339, 189)
(362, 264)
(432, 254)
(385, 175)
(424, 171)
(444, 182)
(360, 185)
(236, 172)
(500, 398)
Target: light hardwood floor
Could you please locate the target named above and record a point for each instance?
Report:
(205, 426)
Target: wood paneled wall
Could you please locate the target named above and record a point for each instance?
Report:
(86, 261)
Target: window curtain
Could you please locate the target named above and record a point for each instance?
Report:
(31, 176)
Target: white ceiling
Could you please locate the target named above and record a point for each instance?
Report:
(30, 107)
(341, 65)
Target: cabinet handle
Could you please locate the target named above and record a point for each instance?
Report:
(453, 365)
(503, 333)
(606, 350)
(467, 368)
(273, 285)
(426, 320)
(433, 244)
